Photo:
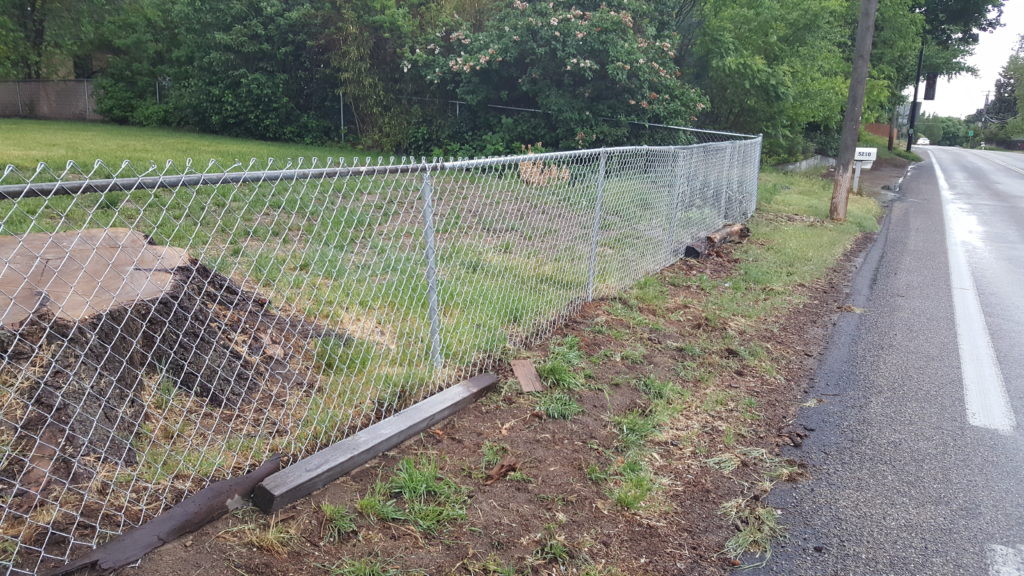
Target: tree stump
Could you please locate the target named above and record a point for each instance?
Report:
(86, 316)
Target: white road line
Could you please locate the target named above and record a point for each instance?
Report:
(1005, 561)
(987, 403)
(1001, 163)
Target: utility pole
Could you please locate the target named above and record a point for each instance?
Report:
(854, 106)
(915, 104)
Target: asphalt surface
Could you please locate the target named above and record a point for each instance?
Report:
(914, 467)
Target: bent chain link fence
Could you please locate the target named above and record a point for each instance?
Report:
(165, 328)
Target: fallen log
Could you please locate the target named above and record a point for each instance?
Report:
(729, 233)
(192, 514)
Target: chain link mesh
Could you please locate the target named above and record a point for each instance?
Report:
(162, 329)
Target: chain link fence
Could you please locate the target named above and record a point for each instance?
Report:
(163, 328)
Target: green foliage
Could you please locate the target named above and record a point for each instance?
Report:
(774, 68)
(943, 130)
(582, 65)
(239, 68)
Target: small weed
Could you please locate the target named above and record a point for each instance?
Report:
(272, 537)
(650, 291)
(431, 500)
(656, 389)
(376, 505)
(164, 394)
(599, 326)
(597, 474)
(8, 550)
(724, 462)
(558, 405)
(491, 566)
(519, 476)
(492, 454)
(553, 549)
(716, 400)
(558, 374)
(729, 437)
(634, 356)
(633, 484)
(363, 567)
(561, 368)
(339, 522)
(691, 371)
(634, 429)
(758, 528)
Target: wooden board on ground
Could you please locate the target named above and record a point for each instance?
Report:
(314, 472)
(529, 380)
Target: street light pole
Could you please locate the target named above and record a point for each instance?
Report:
(915, 104)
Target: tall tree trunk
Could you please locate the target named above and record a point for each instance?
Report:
(854, 105)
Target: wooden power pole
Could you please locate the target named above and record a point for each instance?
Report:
(854, 106)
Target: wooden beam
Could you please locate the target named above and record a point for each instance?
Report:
(318, 470)
(526, 373)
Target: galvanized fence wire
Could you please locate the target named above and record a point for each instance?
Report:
(165, 328)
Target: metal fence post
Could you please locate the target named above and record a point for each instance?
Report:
(426, 193)
(21, 111)
(723, 191)
(675, 199)
(755, 169)
(85, 83)
(595, 235)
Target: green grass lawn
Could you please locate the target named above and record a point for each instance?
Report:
(512, 261)
(25, 143)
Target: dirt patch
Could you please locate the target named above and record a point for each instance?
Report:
(555, 512)
(80, 361)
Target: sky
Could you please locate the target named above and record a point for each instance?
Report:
(964, 94)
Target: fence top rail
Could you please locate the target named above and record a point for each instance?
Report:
(31, 189)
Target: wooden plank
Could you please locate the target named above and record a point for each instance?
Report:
(318, 470)
(529, 380)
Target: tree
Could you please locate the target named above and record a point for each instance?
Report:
(235, 67)
(775, 68)
(854, 104)
(51, 38)
(585, 64)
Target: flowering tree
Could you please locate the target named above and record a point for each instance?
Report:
(584, 66)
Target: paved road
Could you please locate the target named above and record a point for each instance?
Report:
(917, 454)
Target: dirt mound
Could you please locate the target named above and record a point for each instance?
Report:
(89, 317)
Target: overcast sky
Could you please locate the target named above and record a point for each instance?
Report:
(965, 94)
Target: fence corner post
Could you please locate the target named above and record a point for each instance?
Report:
(596, 232)
(426, 194)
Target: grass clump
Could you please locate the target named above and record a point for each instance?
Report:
(492, 454)
(553, 550)
(417, 494)
(558, 405)
(338, 522)
(561, 369)
(363, 567)
(758, 528)
(271, 536)
(633, 484)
